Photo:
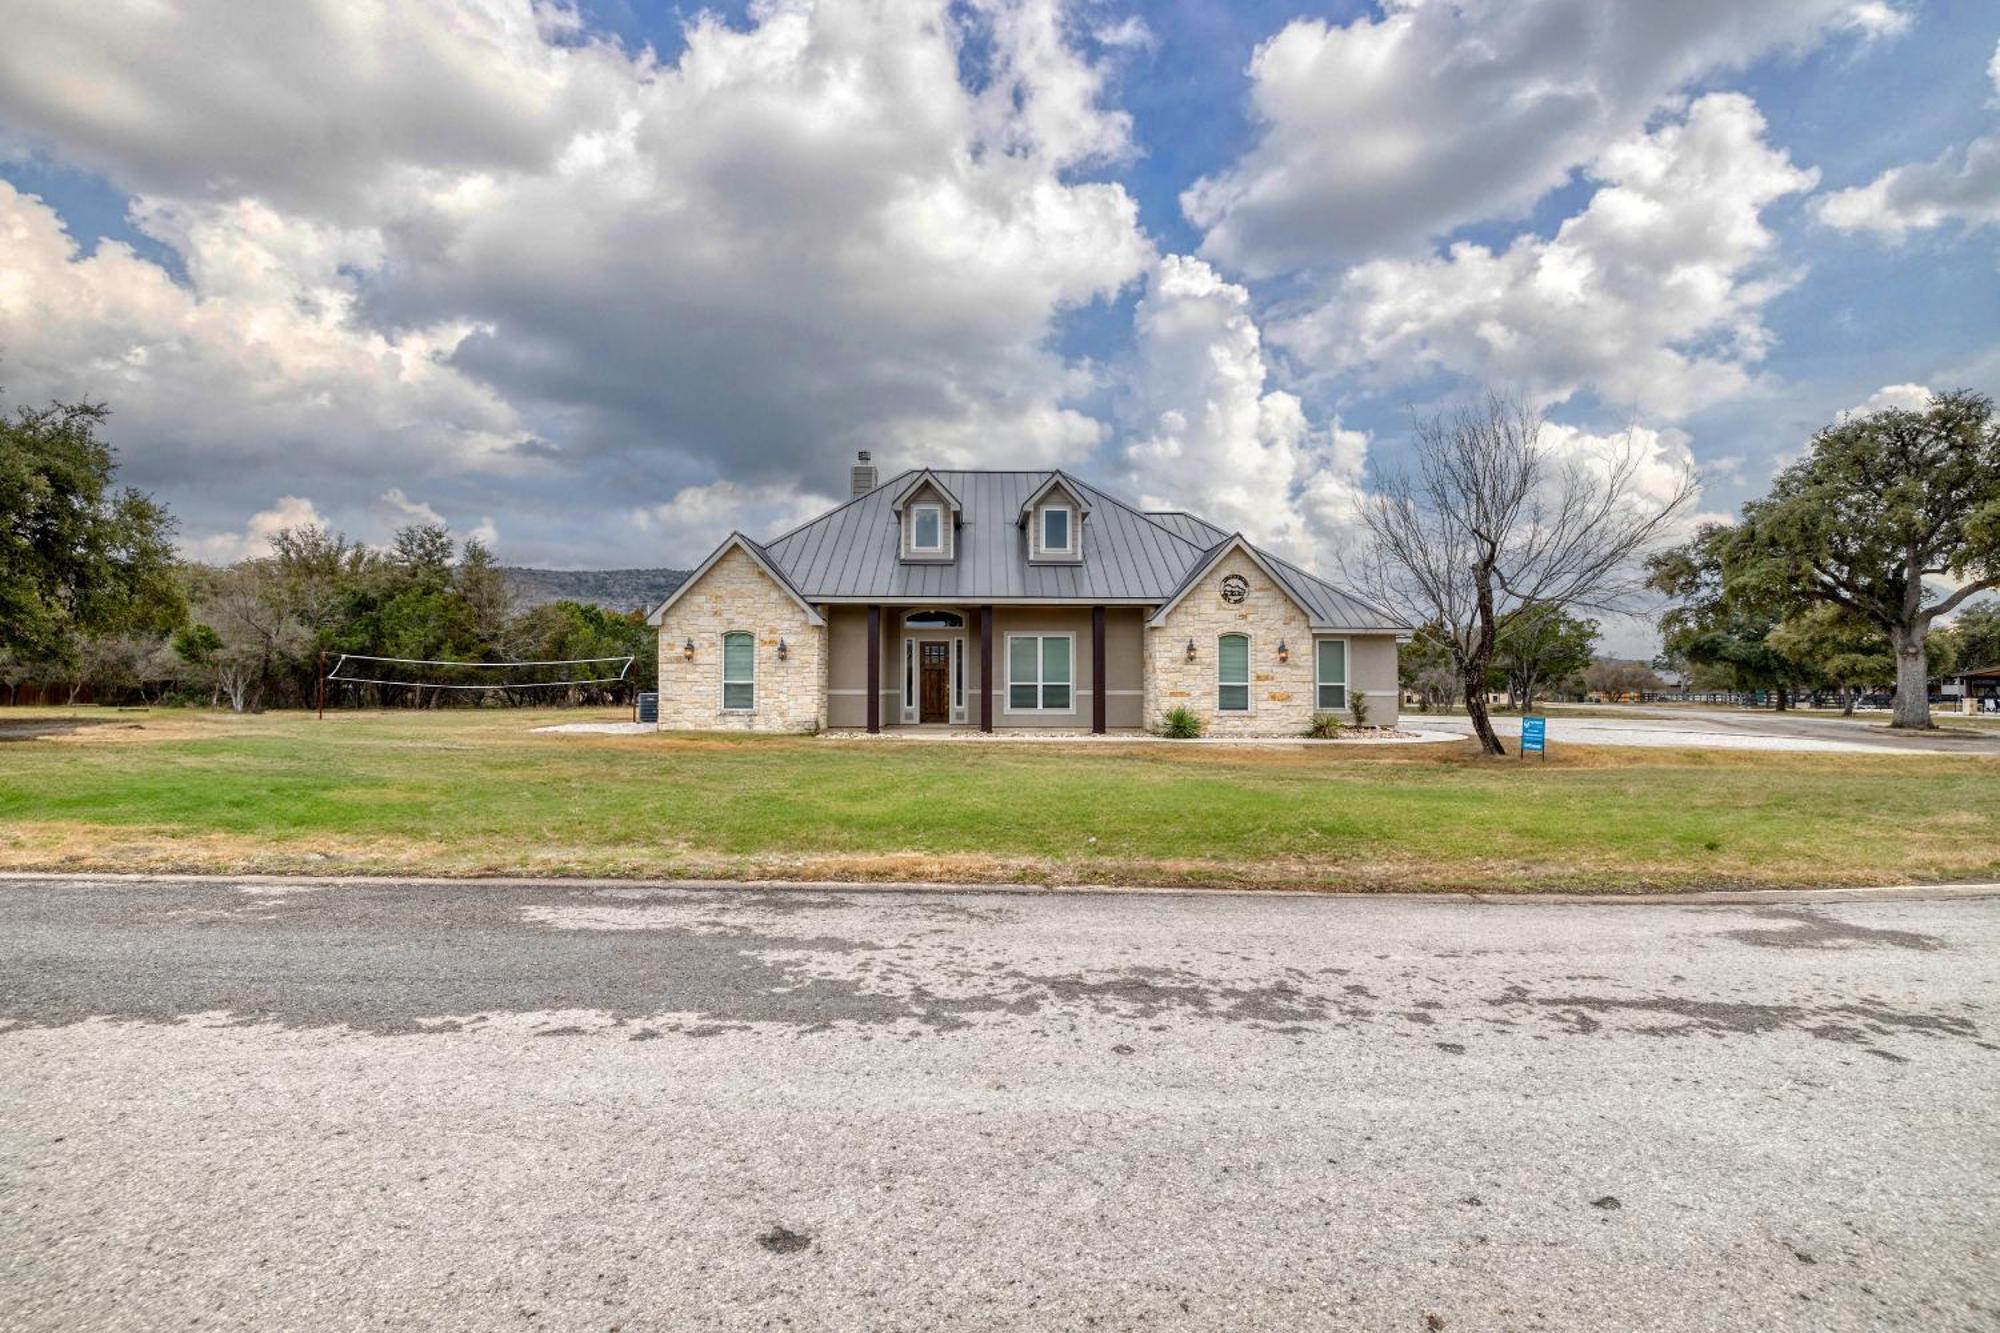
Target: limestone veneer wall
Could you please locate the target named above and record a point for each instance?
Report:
(736, 595)
(1282, 694)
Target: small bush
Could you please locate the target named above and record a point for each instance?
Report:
(1357, 703)
(1181, 724)
(1325, 727)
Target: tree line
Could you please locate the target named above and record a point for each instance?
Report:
(1500, 550)
(93, 597)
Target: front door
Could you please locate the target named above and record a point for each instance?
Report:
(934, 682)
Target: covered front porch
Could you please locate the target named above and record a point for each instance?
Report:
(989, 668)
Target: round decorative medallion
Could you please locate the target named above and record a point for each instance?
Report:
(1235, 588)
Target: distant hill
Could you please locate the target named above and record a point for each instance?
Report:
(612, 589)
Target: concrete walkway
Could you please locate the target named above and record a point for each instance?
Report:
(1026, 736)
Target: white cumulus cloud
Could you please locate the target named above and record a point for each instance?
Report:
(256, 369)
(1651, 296)
(1212, 437)
(1388, 130)
(1961, 184)
(222, 548)
(1908, 397)
(699, 517)
(471, 242)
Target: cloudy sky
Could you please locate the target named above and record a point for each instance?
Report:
(600, 281)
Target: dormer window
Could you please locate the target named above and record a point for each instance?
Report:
(1051, 519)
(1057, 525)
(927, 515)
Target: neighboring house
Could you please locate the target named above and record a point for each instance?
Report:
(1012, 599)
(1974, 691)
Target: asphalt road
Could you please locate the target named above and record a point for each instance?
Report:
(1728, 728)
(505, 1107)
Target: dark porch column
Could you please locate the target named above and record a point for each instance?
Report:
(1097, 670)
(986, 668)
(874, 668)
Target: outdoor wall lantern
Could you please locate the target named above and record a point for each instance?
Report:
(1190, 650)
(1284, 653)
(687, 650)
(783, 651)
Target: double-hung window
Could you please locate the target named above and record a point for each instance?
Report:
(739, 672)
(1038, 673)
(1330, 675)
(1232, 673)
(1056, 530)
(927, 528)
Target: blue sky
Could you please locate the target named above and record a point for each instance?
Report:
(496, 265)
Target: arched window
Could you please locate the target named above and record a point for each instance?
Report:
(1232, 673)
(934, 620)
(739, 672)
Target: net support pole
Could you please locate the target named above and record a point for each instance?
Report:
(322, 685)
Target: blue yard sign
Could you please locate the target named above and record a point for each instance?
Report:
(1534, 736)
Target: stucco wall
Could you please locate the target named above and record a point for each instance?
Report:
(847, 666)
(1282, 694)
(1372, 667)
(736, 595)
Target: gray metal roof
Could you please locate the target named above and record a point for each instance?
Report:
(1184, 524)
(852, 552)
(1326, 604)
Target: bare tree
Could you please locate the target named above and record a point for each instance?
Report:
(252, 630)
(1611, 677)
(1485, 523)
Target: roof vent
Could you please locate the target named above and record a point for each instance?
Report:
(863, 476)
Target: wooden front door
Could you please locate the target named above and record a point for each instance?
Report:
(934, 682)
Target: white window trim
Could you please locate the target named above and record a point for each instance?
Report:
(1346, 672)
(1042, 529)
(722, 647)
(958, 678)
(1007, 685)
(918, 548)
(1249, 673)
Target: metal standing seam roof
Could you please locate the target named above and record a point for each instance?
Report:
(853, 552)
(1183, 524)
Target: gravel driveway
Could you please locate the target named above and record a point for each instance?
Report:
(474, 1106)
(1728, 729)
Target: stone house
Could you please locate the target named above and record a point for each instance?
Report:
(997, 599)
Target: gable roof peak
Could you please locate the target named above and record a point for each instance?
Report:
(1076, 491)
(736, 541)
(923, 477)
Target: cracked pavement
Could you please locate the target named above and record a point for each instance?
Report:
(336, 1106)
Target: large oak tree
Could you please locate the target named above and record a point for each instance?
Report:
(1893, 516)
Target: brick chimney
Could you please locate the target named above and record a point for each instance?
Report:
(863, 476)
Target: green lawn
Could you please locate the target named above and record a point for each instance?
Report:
(465, 793)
